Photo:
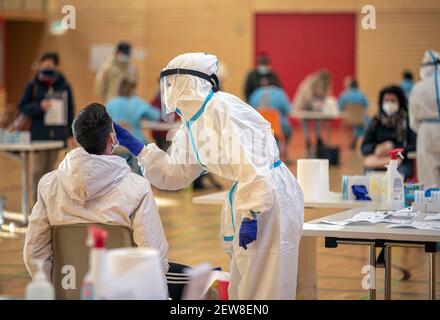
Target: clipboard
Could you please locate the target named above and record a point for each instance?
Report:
(56, 115)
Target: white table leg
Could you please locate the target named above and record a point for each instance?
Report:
(25, 186)
(306, 281)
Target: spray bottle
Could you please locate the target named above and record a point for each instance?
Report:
(40, 288)
(392, 183)
(97, 275)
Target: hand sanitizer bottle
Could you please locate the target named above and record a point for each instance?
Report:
(394, 182)
(40, 288)
(97, 275)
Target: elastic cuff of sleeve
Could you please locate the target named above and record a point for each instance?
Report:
(137, 148)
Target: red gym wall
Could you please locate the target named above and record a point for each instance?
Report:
(299, 44)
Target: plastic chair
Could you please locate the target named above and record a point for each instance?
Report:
(354, 115)
(69, 249)
(274, 118)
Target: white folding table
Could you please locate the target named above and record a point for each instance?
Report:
(332, 200)
(376, 236)
(25, 150)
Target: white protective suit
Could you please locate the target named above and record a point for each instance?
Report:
(424, 117)
(222, 135)
(90, 188)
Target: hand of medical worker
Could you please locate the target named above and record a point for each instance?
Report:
(248, 232)
(126, 139)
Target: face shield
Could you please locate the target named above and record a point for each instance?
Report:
(429, 65)
(170, 93)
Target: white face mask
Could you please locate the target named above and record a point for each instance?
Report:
(390, 108)
(123, 58)
(116, 144)
(263, 70)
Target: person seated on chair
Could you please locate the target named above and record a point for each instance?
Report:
(93, 186)
(353, 96)
(388, 130)
(273, 96)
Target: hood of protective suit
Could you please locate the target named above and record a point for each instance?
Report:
(188, 92)
(87, 176)
(427, 71)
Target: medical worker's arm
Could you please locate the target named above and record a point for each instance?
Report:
(38, 242)
(147, 227)
(171, 170)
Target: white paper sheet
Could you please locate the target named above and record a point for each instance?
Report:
(56, 114)
(432, 217)
(372, 217)
(421, 225)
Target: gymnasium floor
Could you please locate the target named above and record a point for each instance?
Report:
(193, 232)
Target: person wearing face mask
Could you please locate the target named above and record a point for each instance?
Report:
(117, 68)
(424, 116)
(256, 77)
(263, 213)
(35, 103)
(93, 186)
(388, 130)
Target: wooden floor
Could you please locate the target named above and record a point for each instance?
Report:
(193, 235)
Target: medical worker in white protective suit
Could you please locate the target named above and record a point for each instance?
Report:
(263, 212)
(424, 117)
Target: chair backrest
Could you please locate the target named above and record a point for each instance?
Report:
(274, 118)
(69, 251)
(354, 115)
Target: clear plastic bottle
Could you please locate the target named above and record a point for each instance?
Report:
(40, 288)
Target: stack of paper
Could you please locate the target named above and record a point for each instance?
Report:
(433, 217)
(373, 217)
(421, 225)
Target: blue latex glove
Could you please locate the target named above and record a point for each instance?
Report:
(127, 140)
(248, 232)
(361, 192)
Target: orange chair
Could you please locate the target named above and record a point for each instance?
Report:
(274, 118)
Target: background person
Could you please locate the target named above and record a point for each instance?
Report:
(311, 96)
(388, 130)
(117, 68)
(272, 96)
(263, 70)
(407, 82)
(352, 95)
(35, 103)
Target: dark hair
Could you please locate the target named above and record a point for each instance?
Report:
(51, 56)
(92, 127)
(398, 92)
(263, 59)
(407, 75)
(123, 47)
(354, 84)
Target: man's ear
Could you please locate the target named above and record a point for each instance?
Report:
(111, 139)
